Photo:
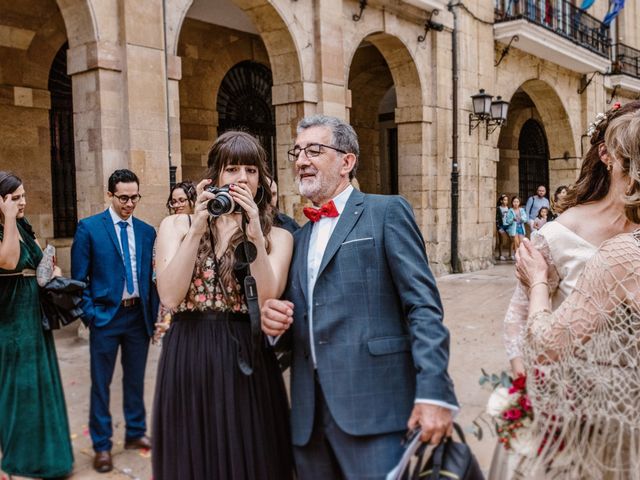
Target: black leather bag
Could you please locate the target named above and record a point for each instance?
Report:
(60, 302)
(450, 460)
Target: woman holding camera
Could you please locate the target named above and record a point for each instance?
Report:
(34, 429)
(214, 417)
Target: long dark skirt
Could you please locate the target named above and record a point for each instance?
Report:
(210, 421)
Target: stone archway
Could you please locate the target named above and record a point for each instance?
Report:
(379, 69)
(370, 82)
(263, 38)
(536, 100)
(80, 21)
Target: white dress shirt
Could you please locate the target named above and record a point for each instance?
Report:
(320, 234)
(132, 252)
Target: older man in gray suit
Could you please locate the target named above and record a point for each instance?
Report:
(370, 352)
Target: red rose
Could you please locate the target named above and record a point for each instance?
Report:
(512, 414)
(518, 384)
(525, 403)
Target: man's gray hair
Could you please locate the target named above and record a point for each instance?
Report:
(343, 135)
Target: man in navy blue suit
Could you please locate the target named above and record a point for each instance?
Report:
(369, 350)
(113, 252)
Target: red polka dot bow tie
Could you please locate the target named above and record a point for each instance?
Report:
(327, 210)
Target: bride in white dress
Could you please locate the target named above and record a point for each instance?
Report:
(582, 360)
(593, 212)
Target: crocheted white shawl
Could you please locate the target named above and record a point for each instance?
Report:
(583, 372)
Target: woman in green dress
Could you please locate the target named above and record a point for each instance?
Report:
(34, 429)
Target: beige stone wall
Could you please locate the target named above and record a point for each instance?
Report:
(31, 33)
(208, 52)
(141, 104)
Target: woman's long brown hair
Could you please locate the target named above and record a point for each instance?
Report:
(593, 182)
(236, 148)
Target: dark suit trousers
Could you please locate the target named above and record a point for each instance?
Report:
(128, 332)
(333, 454)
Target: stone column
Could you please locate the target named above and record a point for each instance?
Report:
(292, 102)
(98, 104)
(330, 58)
(145, 113)
(120, 111)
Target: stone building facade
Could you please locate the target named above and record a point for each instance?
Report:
(88, 86)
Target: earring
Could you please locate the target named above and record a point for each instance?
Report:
(609, 167)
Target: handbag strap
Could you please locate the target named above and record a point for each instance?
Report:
(460, 432)
(437, 456)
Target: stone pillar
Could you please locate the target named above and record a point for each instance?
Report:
(330, 58)
(120, 111)
(98, 104)
(145, 113)
(292, 102)
(477, 154)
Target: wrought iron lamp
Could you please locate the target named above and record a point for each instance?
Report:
(499, 109)
(493, 113)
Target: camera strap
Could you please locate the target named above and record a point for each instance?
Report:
(245, 254)
(251, 296)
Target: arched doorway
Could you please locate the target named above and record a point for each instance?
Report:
(63, 168)
(533, 162)
(244, 103)
(373, 100)
(214, 37)
(535, 108)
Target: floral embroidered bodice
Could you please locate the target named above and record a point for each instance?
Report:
(206, 293)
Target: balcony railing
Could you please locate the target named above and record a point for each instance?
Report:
(561, 17)
(627, 60)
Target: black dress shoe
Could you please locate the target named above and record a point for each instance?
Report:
(143, 442)
(102, 462)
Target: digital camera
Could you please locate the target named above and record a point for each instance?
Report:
(223, 204)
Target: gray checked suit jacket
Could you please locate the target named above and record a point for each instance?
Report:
(377, 322)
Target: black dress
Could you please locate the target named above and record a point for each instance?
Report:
(210, 421)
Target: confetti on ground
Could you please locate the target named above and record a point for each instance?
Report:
(145, 453)
(74, 436)
(85, 432)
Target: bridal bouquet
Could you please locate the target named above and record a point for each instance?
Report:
(511, 411)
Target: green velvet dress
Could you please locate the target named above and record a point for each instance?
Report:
(34, 428)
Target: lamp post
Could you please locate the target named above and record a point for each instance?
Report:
(499, 109)
(493, 113)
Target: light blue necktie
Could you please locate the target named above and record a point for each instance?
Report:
(124, 240)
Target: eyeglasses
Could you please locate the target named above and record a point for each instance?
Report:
(178, 201)
(124, 199)
(311, 151)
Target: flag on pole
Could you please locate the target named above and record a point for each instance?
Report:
(587, 4)
(615, 6)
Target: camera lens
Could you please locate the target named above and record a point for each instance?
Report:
(221, 205)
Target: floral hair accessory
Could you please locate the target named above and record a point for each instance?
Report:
(601, 117)
(593, 126)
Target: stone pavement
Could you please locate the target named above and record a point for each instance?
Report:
(474, 307)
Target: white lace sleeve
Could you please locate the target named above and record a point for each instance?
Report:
(518, 310)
